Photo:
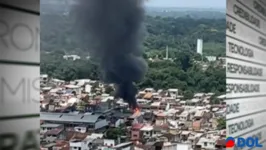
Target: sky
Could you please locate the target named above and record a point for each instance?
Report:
(188, 3)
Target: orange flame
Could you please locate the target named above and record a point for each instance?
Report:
(136, 110)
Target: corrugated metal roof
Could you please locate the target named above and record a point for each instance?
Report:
(50, 125)
(64, 117)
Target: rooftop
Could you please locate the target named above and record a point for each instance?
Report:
(54, 131)
(137, 126)
(65, 117)
(147, 128)
(50, 125)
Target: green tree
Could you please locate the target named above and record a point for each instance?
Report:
(221, 123)
(188, 94)
(108, 89)
(81, 106)
(114, 133)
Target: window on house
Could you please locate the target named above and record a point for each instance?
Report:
(205, 144)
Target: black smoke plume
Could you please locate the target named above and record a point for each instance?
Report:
(112, 31)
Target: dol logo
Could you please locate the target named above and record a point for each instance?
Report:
(242, 142)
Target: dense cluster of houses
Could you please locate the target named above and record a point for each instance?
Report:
(83, 115)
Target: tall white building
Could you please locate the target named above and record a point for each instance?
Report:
(199, 46)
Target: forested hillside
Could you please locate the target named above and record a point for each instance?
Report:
(178, 33)
(195, 13)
